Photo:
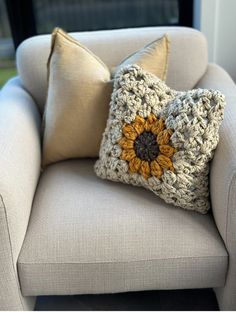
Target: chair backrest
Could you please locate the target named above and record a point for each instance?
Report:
(187, 61)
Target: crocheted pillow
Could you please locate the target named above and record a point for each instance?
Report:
(161, 139)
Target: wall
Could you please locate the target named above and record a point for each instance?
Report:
(217, 20)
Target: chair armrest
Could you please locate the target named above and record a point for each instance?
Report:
(223, 165)
(20, 158)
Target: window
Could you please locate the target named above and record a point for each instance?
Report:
(103, 14)
(7, 54)
(31, 17)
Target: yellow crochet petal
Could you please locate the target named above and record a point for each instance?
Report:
(125, 143)
(134, 165)
(163, 137)
(152, 118)
(127, 155)
(145, 169)
(158, 126)
(139, 127)
(147, 126)
(165, 162)
(156, 170)
(129, 132)
(167, 150)
(139, 119)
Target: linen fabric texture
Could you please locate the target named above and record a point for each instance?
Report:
(113, 238)
(20, 158)
(161, 139)
(79, 92)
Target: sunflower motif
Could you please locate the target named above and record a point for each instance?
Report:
(146, 146)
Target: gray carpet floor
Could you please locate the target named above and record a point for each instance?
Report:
(173, 300)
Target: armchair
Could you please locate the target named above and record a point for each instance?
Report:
(67, 232)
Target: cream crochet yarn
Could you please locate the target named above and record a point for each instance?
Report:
(161, 139)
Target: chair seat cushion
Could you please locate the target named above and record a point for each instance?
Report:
(87, 235)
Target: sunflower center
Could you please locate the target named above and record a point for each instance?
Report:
(146, 147)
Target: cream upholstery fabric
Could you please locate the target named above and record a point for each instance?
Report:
(86, 235)
(223, 178)
(20, 167)
(187, 61)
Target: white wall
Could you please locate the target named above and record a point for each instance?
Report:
(217, 20)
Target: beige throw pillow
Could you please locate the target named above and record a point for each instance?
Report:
(153, 58)
(79, 92)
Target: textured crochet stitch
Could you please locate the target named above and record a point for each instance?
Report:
(160, 138)
(146, 146)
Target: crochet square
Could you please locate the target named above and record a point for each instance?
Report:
(160, 138)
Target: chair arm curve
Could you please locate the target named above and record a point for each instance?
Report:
(223, 179)
(20, 158)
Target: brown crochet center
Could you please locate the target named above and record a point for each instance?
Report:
(146, 147)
